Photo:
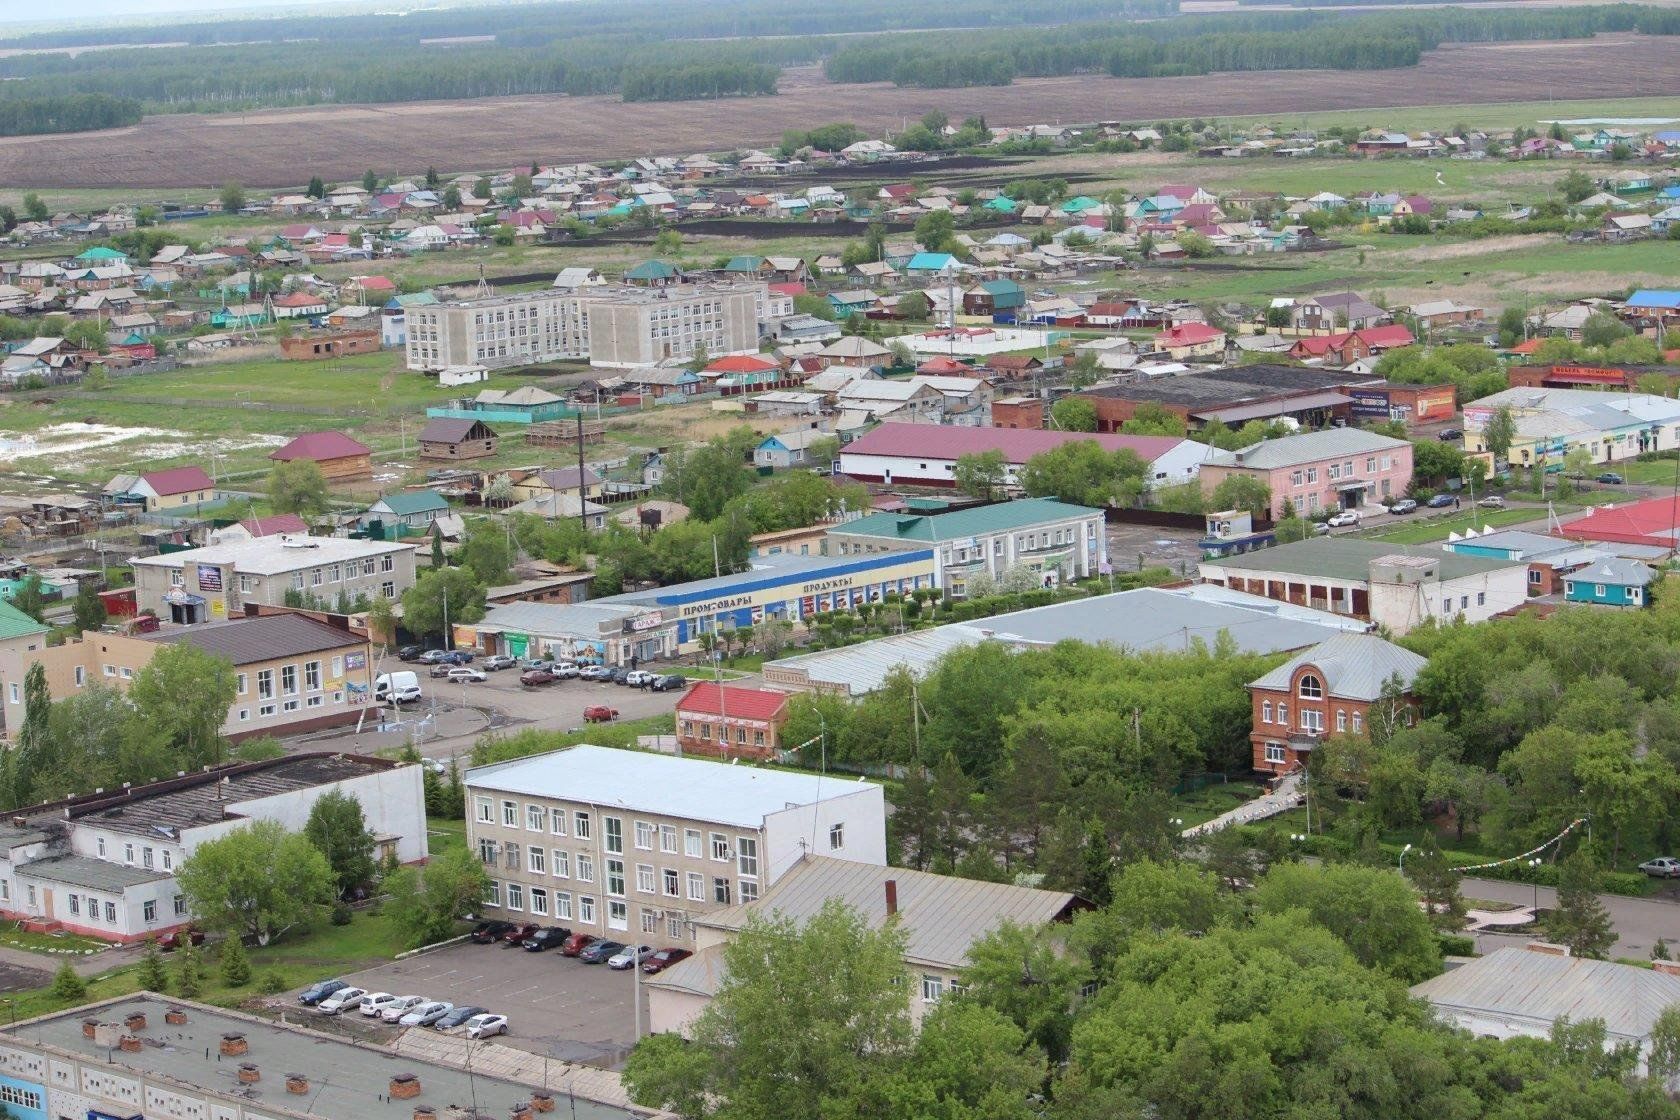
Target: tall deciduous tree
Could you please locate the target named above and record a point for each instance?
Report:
(980, 474)
(426, 903)
(805, 1019)
(298, 487)
(1373, 912)
(338, 829)
(258, 881)
(1073, 414)
(456, 591)
(184, 693)
(89, 609)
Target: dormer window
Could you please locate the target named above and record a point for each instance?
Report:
(1311, 688)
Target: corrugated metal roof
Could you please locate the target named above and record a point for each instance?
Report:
(958, 524)
(1348, 559)
(93, 874)
(1354, 666)
(934, 441)
(1540, 989)
(1308, 447)
(942, 915)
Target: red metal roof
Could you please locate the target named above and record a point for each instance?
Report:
(1189, 334)
(938, 441)
(300, 299)
(1392, 335)
(741, 363)
(943, 365)
(321, 446)
(274, 526)
(1528, 347)
(1652, 522)
(710, 699)
(180, 480)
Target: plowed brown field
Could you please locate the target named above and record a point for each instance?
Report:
(283, 147)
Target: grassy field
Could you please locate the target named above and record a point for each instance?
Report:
(1488, 116)
(301, 959)
(1437, 528)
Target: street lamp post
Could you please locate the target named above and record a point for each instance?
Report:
(1534, 872)
(1403, 852)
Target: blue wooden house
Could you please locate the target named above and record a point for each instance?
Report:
(1614, 582)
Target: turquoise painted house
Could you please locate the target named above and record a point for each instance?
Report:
(1614, 583)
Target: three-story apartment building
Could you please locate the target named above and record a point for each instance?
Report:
(615, 842)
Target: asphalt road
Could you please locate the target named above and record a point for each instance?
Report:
(1639, 921)
(452, 717)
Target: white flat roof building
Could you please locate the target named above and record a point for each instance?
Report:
(614, 841)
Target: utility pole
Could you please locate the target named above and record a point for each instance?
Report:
(583, 513)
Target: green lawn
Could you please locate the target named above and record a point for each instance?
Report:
(442, 834)
(299, 959)
(1211, 801)
(1507, 115)
(1653, 472)
(1436, 528)
(15, 937)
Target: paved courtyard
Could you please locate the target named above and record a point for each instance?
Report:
(556, 1006)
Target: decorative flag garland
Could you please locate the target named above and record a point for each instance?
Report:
(1570, 827)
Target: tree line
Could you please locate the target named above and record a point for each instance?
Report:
(1205, 44)
(1175, 999)
(79, 112)
(650, 50)
(699, 82)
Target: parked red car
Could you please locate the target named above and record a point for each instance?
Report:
(531, 677)
(664, 959)
(519, 933)
(599, 713)
(577, 943)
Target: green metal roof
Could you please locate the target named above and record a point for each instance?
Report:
(101, 253)
(1002, 517)
(15, 624)
(652, 270)
(1001, 204)
(743, 264)
(410, 502)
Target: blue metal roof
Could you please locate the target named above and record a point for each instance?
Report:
(1655, 297)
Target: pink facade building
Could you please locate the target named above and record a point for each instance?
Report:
(1339, 468)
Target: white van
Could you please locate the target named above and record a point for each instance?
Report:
(402, 686)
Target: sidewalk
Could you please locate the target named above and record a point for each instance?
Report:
(1285, 797)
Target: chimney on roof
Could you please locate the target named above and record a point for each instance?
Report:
(1547, 948)
(892, 897)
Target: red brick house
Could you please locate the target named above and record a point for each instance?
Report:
(730, 722)
(1324, 691)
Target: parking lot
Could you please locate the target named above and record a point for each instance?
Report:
(450, 717)
(555, 1005)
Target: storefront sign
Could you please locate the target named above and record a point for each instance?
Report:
(209, 577)
(713, 606)
(1371, 403)
(643, 622)
(355, 661)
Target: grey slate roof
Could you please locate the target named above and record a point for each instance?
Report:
(1308, 447)
(1536, 989)
(1148, 618)
(941, 915)
(89, 873)
(1354, 666)
(1622, 573)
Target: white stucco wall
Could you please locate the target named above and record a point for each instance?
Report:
(789, 833)
(393, 803)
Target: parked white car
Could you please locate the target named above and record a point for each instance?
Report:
(629, 957)
(1344, 517)
(484, 1026)
(564, 670)
(640, 678)
(345, 999)
(425, 1014)
(376, 1003)
(402, 1005)
(466, 674)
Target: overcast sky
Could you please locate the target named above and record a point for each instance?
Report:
(85, 10)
